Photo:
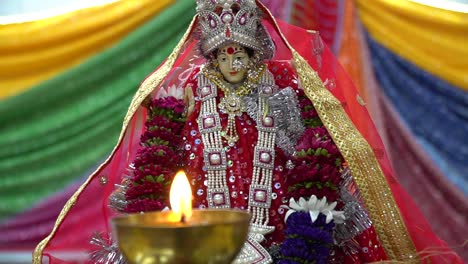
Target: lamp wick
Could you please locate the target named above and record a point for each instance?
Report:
(183, 219)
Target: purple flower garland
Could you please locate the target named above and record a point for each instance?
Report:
(306, 242)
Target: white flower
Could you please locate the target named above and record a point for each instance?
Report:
(337, 216)
(315, 206)
(173, 90)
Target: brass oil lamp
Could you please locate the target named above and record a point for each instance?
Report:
(182, 236)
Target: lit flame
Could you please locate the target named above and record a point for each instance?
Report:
(181, 197)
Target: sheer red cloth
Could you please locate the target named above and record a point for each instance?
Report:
(87, 211)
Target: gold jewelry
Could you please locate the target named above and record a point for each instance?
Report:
(253, 76)
(231, 103)
(215, 63)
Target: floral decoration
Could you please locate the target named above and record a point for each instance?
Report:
(309, 230)
(318, 164)
(157, 160)
(306, 241)
(317, 170)
(314, 207)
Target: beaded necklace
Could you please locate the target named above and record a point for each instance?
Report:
(214, 153)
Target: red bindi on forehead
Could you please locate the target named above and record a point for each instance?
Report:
(230, 50)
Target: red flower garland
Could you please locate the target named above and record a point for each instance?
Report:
(157, 161)
(318, 164)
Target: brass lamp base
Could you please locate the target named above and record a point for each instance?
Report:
(211, 236)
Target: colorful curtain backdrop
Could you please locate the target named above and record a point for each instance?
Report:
(415, 82)
(61, 118)
(64, 96)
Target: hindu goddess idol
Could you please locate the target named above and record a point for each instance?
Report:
(260, 117)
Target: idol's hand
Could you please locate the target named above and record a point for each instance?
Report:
(189, 100)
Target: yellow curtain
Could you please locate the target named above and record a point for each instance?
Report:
(434, 39)
(32, 52)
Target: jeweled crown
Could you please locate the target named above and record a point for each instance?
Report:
(238, 21)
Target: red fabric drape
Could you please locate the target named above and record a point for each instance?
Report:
(90, 213)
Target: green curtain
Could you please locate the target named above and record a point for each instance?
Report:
(58, 130)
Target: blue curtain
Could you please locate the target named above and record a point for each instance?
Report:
(434, 110)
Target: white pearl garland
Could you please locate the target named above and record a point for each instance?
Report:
(214, 154)
(216, 165)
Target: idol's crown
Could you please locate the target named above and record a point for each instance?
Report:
(224, 21)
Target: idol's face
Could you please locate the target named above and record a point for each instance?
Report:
(233, 61)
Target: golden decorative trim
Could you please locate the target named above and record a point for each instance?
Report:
(364, 166)
(143, 91)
